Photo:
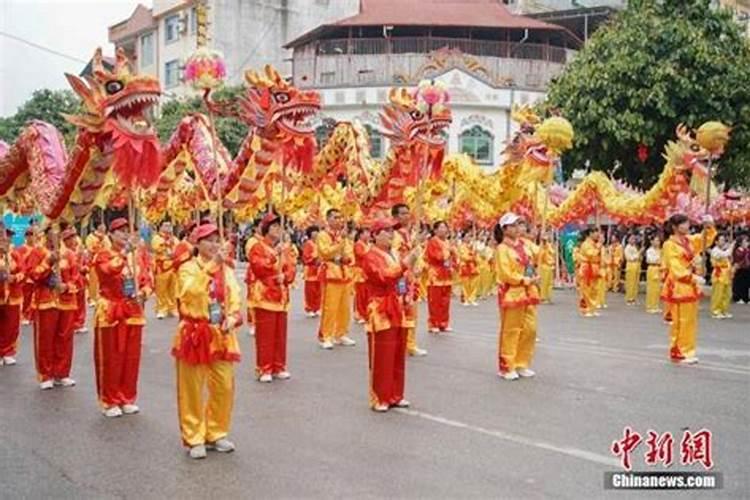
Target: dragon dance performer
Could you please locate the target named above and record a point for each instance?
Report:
(118, 323)
(311, 263)
(517, 298)
(653, 275)
(386, 277)
(205, 345)
(682, 286)
(249, 278)
(468, 270)
(547, 258)
(337, 256)
(362, 243)
(486, 263)
(183, 250)
(163, 244)
(440, 259)
(589, 272)
(721, 279)
(274, 269)
(54, 307)
(30, 241)
(12, 281)
(401, 248)
(616, 257)
(96, 241)
(603, 283)
(632, 270)
(72, 243)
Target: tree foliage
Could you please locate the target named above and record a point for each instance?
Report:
(45, 105)
(657, 64)
(230, 130)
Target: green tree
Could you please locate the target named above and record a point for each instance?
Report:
(657, 64)
(230, 130)
(45, 105)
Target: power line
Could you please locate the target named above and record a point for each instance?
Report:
(42, 47)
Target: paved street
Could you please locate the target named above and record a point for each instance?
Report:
(468, 434)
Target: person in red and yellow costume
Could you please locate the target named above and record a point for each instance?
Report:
(362, 243)
(633, 257)
(517, 298)
(163, 244)
(12, 280)
(96, 241)
(274, 270)
(30, 241)
(118, 322)
(206, 346)
(441, 260)
(54, 307)
(72, 243)
(311, 263)
(468, 270)
(603, 286)
(721, 278)
(336, 253)
(183, 250)
(402, 247)
(589, 272)
(681, 254)
(386, 277)
(616, 258)
(249, 278)
(547, 258)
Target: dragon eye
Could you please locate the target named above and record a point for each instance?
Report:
(113, 87)
(695, 147)
(416, 115)
(281, 97)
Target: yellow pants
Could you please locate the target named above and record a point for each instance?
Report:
(335, 316)
(204, 419)
(601, 292)
(721, 295)
(588, 296)
(653, 288)
(632, 278)
(93, 287)
(683, 331)
(613, 278)
(469, 288)
(547, 277)
(517, 338)
(165, 288)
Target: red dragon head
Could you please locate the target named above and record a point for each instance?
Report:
(117, 106)
(409, 117)
(272, 104)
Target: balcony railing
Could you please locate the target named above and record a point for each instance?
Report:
(423, 45)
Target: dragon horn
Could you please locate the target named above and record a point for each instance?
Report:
(252, 78)
(101, 74)
(683, 133)
(272, 74)
(122, 63)
(83, 91)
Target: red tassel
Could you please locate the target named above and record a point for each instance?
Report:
(137, 159)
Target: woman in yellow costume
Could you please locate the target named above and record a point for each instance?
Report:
(589, 272)
(601, 301)
(653, 275)
(632, 270)
(682, 287)
(468, 270)
(721, 278)
(547, 257)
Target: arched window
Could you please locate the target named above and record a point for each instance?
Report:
(376, 141)
(477, 143)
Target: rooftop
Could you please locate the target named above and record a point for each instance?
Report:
(141, 19)
(486, 14)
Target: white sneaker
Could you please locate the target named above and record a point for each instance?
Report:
(360, 322)
(83, 329)
(433, 330)
(198, 452)
(310, 314)
(526, 373)
(596, 314)
(25, 322)
(726, 315)
(509, 375)
(130, 409)
(285, 375)
(265, 378)
(326, 344)
(222, 445)
(161, 316)
(402, 404)
(689, 361)
(46, 385)
(741, 301)
(418, 352)
(380, 408)
(317, 313)
(475, 304)
(112, 412)
(346, 341)
(9, 360)
(65, 382)
(448, 329)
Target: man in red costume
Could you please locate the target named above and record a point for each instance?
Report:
(54, 307)
(12, 279)
(311, 261)
(440, 263)
(118, 323)
(273, 269)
